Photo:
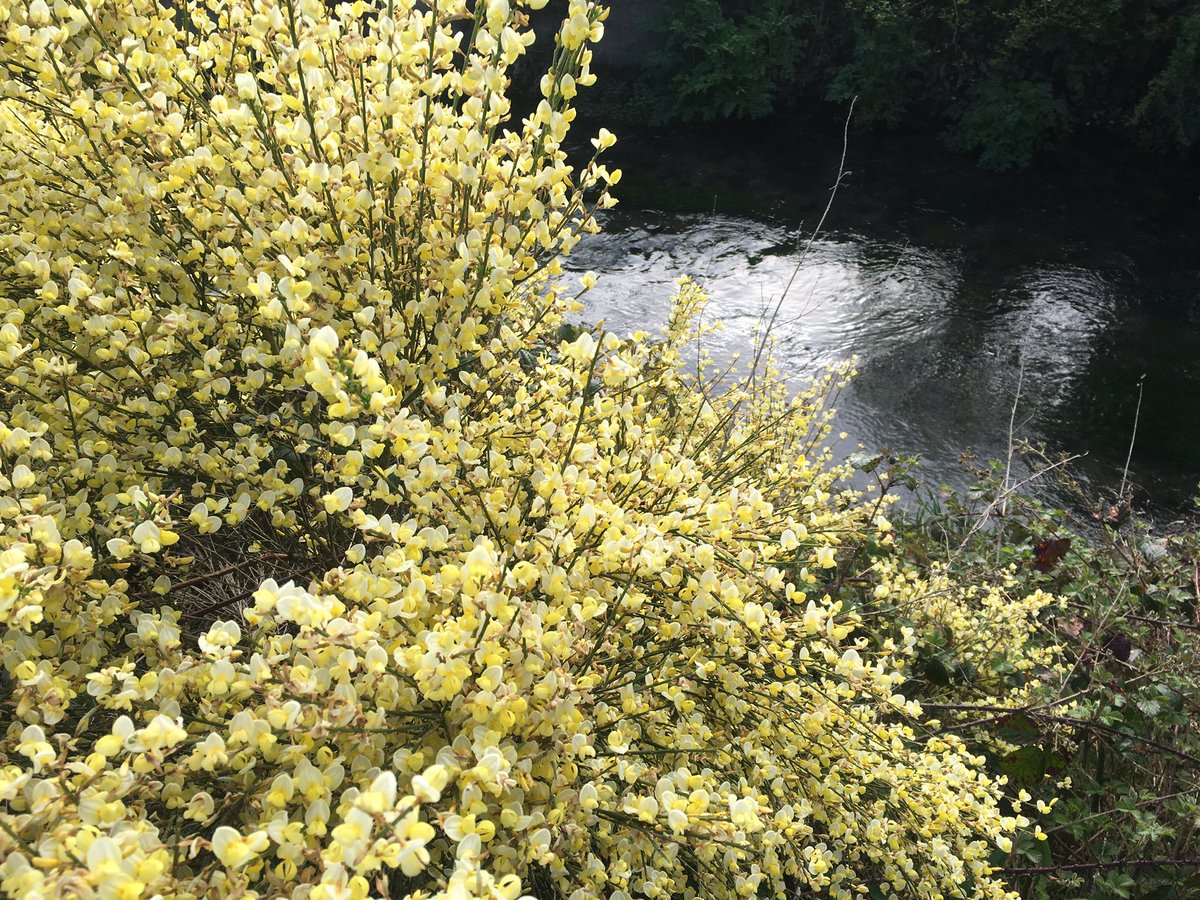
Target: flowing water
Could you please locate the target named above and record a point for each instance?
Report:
(951, 287)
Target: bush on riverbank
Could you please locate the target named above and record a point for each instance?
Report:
(1109, 735)
(329, 569)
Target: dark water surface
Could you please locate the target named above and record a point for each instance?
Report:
(945, 282)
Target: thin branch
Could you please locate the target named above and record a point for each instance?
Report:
(1065, 720)
(245, 595)
(1111, 864)
(1133, 437)
(233, 567)
(1012, 424)
(841, 174)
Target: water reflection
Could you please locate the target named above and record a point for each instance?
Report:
(943, 330)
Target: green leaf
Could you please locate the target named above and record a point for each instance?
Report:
(1149, 706)
(866, 462)
(1031, 764)
(1037, 852)
(1018, 729)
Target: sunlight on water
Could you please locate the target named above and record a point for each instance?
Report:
(941, 342)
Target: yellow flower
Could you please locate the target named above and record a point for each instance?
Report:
(307, 488)
(323, 342)
(235, 850)
(338, 500)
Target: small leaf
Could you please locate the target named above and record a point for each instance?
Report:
(1001, 665)
(866, 462)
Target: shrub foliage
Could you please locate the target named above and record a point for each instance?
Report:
(333, 565)
(1112, 722)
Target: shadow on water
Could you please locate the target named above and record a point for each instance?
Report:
(945, 282)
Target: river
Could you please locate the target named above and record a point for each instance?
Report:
(950, 285)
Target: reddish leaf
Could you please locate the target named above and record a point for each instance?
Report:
(1073, 626)
(1047, 554)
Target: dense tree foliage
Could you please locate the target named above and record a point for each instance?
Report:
(1002, 77)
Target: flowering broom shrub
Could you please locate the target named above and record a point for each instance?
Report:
(328, 570)
(982, 640)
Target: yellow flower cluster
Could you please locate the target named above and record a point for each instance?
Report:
(989, 638)
(329, 571)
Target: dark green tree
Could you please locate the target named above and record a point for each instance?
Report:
(1004, 78)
